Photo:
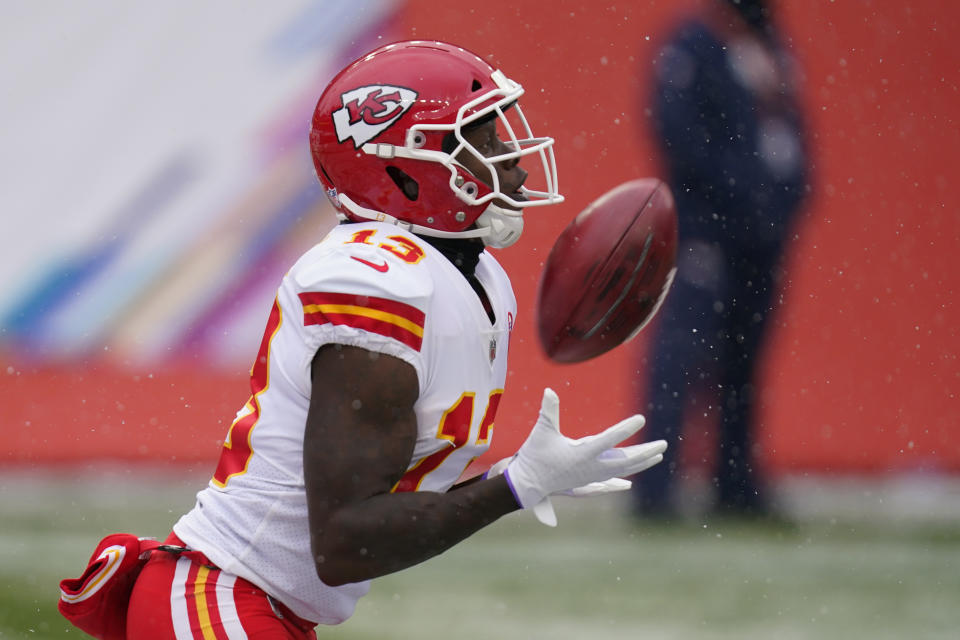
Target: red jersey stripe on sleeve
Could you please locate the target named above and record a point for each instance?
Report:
(389, 318)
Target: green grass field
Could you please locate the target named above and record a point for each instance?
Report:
(599, 575)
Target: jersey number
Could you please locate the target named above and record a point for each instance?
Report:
(404, 248)
(454, 427)
(237, 450)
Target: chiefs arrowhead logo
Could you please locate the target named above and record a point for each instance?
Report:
(368, 111)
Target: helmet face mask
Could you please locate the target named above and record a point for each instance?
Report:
(391, 141)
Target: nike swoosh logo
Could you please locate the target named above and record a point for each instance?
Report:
(382, 268)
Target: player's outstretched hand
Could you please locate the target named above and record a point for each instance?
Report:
(551, 463)
(543, 510)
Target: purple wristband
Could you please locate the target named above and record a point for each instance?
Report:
(506, 474)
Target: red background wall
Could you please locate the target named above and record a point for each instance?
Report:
(863, 374)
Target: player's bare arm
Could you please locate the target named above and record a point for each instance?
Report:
(359, 440)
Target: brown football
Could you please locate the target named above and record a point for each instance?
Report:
(608, 272)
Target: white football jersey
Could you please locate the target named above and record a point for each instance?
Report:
(375, 286)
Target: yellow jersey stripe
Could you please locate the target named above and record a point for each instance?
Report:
(354, 310)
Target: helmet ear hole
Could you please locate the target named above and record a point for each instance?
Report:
(407, 185)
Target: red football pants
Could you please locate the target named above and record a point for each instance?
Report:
(182, 598)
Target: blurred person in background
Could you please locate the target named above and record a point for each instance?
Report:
(727, 119)
(380, 369)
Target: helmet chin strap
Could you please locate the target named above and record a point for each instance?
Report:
(504, 225)
(498, 227)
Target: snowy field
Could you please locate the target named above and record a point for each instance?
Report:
(856, 560)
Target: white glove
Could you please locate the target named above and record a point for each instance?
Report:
(550, 463)
(543, 510)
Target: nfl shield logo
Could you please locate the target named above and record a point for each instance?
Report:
(493, 350)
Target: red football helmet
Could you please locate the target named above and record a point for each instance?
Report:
(382, 122)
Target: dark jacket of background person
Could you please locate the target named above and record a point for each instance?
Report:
(726, 116)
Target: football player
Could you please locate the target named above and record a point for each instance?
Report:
(381, 367)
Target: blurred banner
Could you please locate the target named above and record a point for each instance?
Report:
(159, 173)
(157, 185)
